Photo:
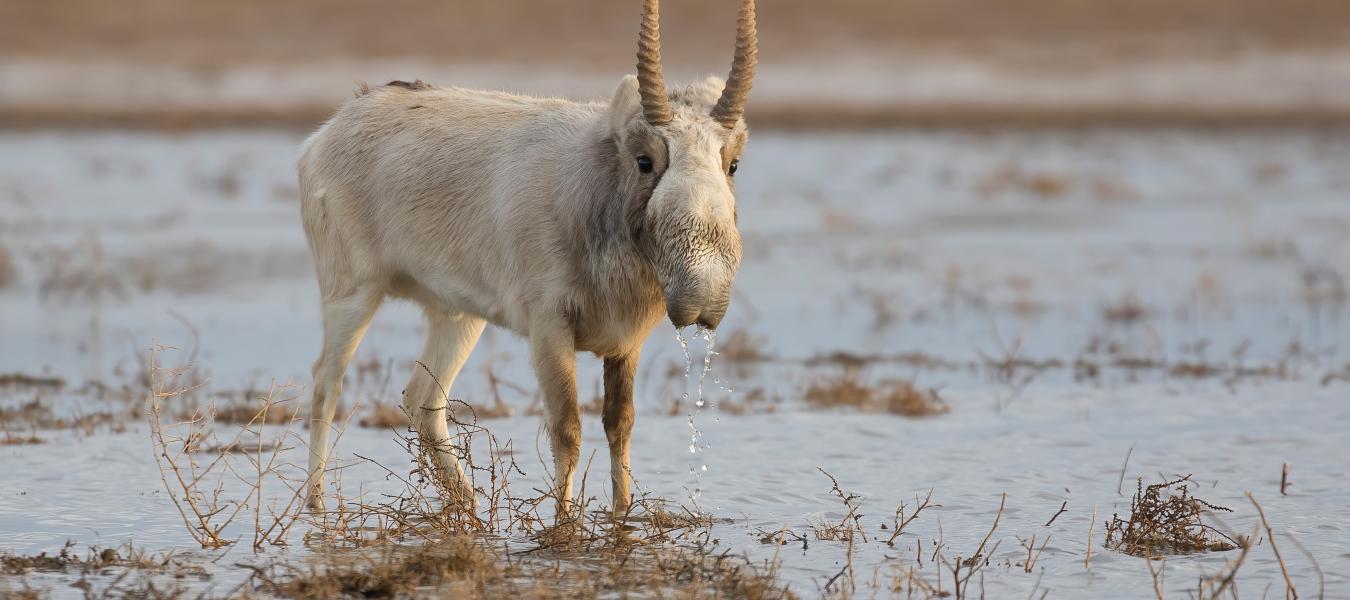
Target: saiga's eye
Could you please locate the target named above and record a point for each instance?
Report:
(735, 162)
(644, 164)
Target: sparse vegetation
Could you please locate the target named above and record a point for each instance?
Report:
(389, 572)
(1127, 310)
(9, 274)
(34, 381)
(1014, 179)
(1165, 519)
(412, 541)
(1248, 319)
(9, 438)
(85, 272)
(197, 488)
(847, 526)
(122, 572)
(381, 415)
(897, 397)
(741, 347)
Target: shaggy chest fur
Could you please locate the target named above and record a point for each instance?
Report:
(609, 323)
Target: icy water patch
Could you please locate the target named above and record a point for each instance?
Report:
(1062, 445)
(1069, 295)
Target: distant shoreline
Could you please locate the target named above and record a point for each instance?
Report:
(844, 91)
(801, 117)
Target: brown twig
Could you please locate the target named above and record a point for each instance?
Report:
(1092, 523)
(1120, 483)
(979, 551)
(1030, 545)
(900, 521)
(1156, 575)
(1063, 508)
(1226, 579)
(848, 525)
(1321, 577)
(1290, 592)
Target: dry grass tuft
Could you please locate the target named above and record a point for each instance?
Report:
(845, 392)
(197, 488)
(385, 416)
(78, 273)
(1166, 519)
(25, 380)
(8, 438)
(85, 272)
(9, 274)
(849, 525)
(901, 521)
(422, 538)
(741, 346)
(902, 398)
(756, 401)
(1014, 179)
(37, 414)
(1127, 309)
(97, 559)
(396, 572)
(34, 412)
(249, 408)
(18, 564)
(1110, 190)
(897, 397)
(122, 572)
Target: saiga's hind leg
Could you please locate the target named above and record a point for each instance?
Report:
(449, 341)
(344, 323)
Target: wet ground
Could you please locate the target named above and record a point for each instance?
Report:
(1093, 306)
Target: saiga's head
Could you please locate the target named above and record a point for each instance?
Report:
(678, 155)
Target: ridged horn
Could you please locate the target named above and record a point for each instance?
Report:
(731, 105)
(651, 85)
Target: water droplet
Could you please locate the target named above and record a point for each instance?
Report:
(697, 445)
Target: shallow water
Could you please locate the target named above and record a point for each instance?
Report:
(1226, 249)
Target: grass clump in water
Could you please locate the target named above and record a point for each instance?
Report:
(398, 574)
(897, 397)
(1166, 519)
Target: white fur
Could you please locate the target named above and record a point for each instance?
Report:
(527, 213)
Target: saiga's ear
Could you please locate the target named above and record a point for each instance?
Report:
(626, 105)
(708, 91)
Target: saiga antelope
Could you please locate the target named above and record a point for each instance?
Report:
(575, 225)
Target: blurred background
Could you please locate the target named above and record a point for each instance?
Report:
(847, 62)
(1026, 237)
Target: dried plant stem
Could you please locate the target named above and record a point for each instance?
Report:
(901, 521)
(1156, 575)
(1092, 523)
(1226, 580)
(847, 526)
(1290, 592)
(1321, 577)
(980, 551)
(1120, 483)
(1063, 508)
(203, 524)
(1030, 563)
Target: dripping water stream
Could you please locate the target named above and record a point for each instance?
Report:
(697, 445)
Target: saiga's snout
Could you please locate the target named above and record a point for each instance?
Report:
(698, 289)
